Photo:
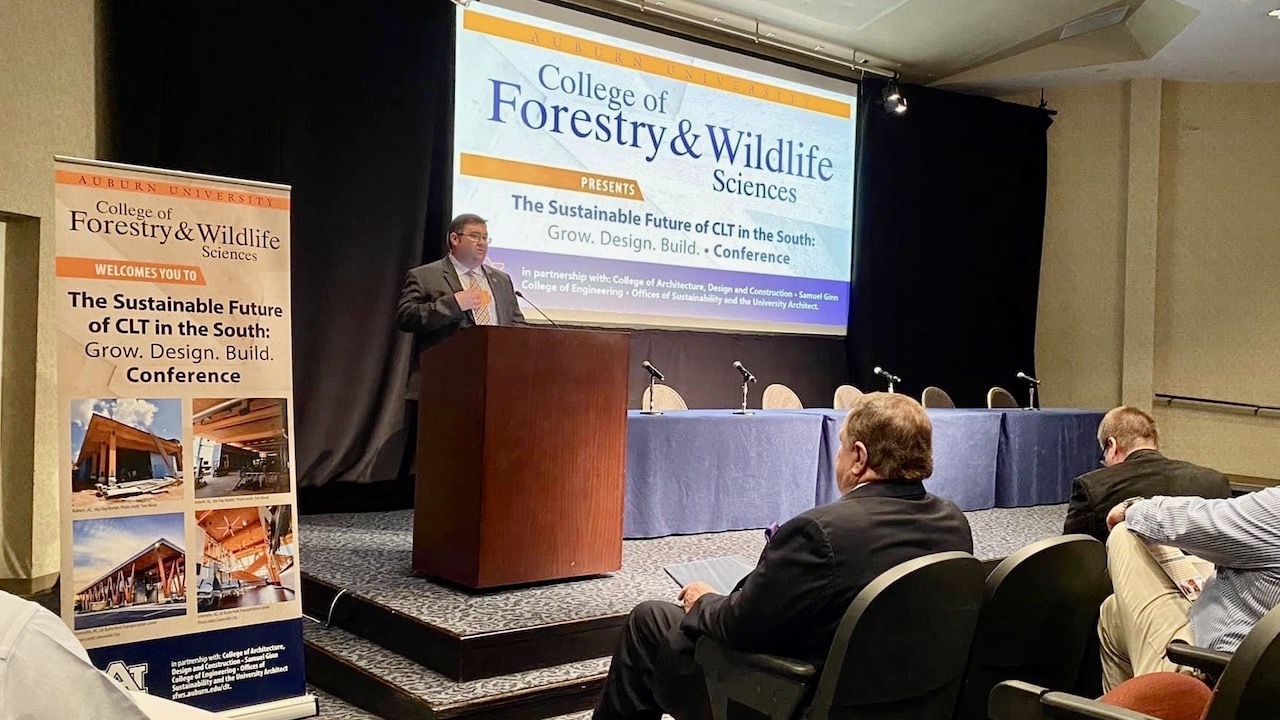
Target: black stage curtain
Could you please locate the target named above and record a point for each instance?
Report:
(947, 242)
(699, 365)
(349, 103)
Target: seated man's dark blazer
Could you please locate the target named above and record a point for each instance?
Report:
(1144, 473)
(815, 565)
(429, 310)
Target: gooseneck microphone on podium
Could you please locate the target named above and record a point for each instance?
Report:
(535, 307)
(887, 376)
(1032, 384)
(655, 375)
(747, 377)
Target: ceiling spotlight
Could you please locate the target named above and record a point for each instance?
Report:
(894, 102)
(817, 48)
(1275, 13)
(462, 3)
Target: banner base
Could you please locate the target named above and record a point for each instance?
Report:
(287, 709)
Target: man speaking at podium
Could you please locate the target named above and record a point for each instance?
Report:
(454, 292)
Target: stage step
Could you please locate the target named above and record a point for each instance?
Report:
(358, 576)
(335, 708)
(462, 657)
(396, 688)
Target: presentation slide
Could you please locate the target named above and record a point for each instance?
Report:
(631, 185)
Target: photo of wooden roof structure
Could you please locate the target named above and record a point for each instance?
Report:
(247, 557)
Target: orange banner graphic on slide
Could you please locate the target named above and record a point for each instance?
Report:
(74, 267)
(493, 168)
(151, 186)
(650, 64)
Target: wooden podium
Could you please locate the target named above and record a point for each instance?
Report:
(522, 437)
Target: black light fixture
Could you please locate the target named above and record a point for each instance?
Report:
(894, 102)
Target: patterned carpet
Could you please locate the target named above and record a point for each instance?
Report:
(369, 554)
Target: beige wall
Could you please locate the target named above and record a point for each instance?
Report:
(1082, 271)
(1184, 305)
(47, 106)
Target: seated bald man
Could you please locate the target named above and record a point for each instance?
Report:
(1133, 467)
(808, 574)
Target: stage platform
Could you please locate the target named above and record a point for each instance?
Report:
(404, 647)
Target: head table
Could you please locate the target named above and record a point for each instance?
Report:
(696, 471)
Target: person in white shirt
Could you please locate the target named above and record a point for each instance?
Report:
(45, 674)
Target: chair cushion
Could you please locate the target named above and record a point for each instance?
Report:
(1167, 695)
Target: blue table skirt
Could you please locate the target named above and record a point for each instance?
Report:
(1041, 452)
(964, 456)
(710, 470)
(700, 471)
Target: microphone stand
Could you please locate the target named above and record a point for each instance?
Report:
(653, 381)
(1031, 391)
(744, 410)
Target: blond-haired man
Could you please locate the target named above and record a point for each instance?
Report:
(808, 574)
(1133, 467)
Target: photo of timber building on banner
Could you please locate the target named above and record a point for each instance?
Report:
(129, 569)
(118, 462)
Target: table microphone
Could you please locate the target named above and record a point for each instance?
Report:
(1028, 378)
(544, 315)
(886, 375)
(746, 374)
(653, 371)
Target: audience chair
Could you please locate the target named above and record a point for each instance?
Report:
(936, 397)
(780, 397)
(898, 653)
(998, 397)
(1040, 610)
(1248, 690)
(845, 395)
(664, 399)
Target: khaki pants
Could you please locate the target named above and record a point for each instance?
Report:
(1144, 615)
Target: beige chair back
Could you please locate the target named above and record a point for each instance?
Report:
(780, 397)
(998, 397)
(936, 397)
(664, 399)
(845, 395)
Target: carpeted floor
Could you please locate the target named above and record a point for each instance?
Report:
(369, 554)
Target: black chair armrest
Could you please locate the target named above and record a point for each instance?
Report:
(1213, 662)
(1015, 700)
(1065, 706)
(711, 653)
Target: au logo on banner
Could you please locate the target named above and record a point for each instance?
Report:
(132, 677)
(180, 561)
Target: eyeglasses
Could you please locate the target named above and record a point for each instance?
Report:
(475, 236)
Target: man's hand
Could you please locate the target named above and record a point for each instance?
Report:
(694, 590)
(471, 299)
(1116, 516)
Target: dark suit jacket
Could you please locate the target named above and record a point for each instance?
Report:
(817, 563)
(429, 310)
(1144, 473)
